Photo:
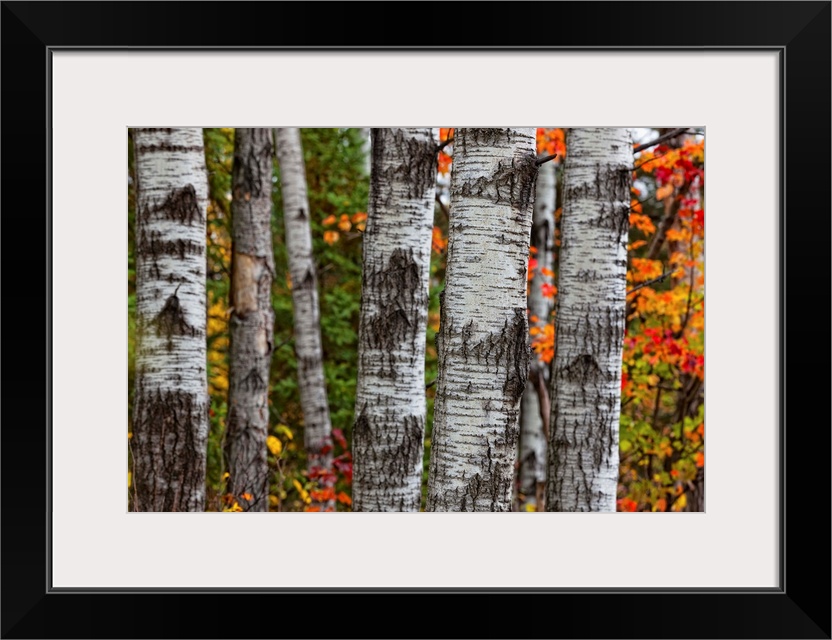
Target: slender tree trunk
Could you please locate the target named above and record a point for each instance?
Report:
(252, 319)
(532, 437)
(586, 373)
(389, 427)
(307, 327)
(483, 341)
(367, 147)
(170, 417)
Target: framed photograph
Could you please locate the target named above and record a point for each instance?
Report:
(753, 77)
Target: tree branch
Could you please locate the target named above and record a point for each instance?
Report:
(660, 139)
(649, 282)
(444, 144)
(544, 159)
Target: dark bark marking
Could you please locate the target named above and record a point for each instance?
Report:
(181, 205)
(399, 286)
(164, 146)
(415, 166)
(171, 321)
(511, 183)
(152, 245)
(169, 463)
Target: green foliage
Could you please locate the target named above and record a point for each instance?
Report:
(336, 186)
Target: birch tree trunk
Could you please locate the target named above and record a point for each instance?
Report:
(252, 319)
(483, 340)
(532, 475)
(591, 304)
(170, 418)
(307, 326)
(389, 428)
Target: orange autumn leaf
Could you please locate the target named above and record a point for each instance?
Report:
(329, 220)
(547, 272)
(642, 223)
(344, 224)
(438, 243)
(247, 496)
(331, 237)
(664, 191)
(700, 459)
(343, 498)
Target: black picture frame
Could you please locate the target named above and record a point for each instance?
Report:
(798, 608)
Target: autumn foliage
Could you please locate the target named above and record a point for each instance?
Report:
(663, 368)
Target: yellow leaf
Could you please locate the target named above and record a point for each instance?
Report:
(273, 501)
(129, 479)
(530, 507)
(286, 431)
(129, 434)
(304, 494)
(274, 445)
(226, 475)
(681, 502)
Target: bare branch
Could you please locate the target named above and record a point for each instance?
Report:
(649, 282)
(660, 139)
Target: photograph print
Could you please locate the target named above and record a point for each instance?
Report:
(416, 319)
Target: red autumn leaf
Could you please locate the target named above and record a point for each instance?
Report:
(338, 434)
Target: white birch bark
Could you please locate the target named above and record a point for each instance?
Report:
(591, 302)
(307, 327)
(170, 419)
(388, 433)
(532, 455)
(483, 341)
(252, 319)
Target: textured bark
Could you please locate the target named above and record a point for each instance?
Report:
(307, 327)
(252, 320)
(591, 303)
(389, 426)
(483, 341)
(170, 417)
(532, 472)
